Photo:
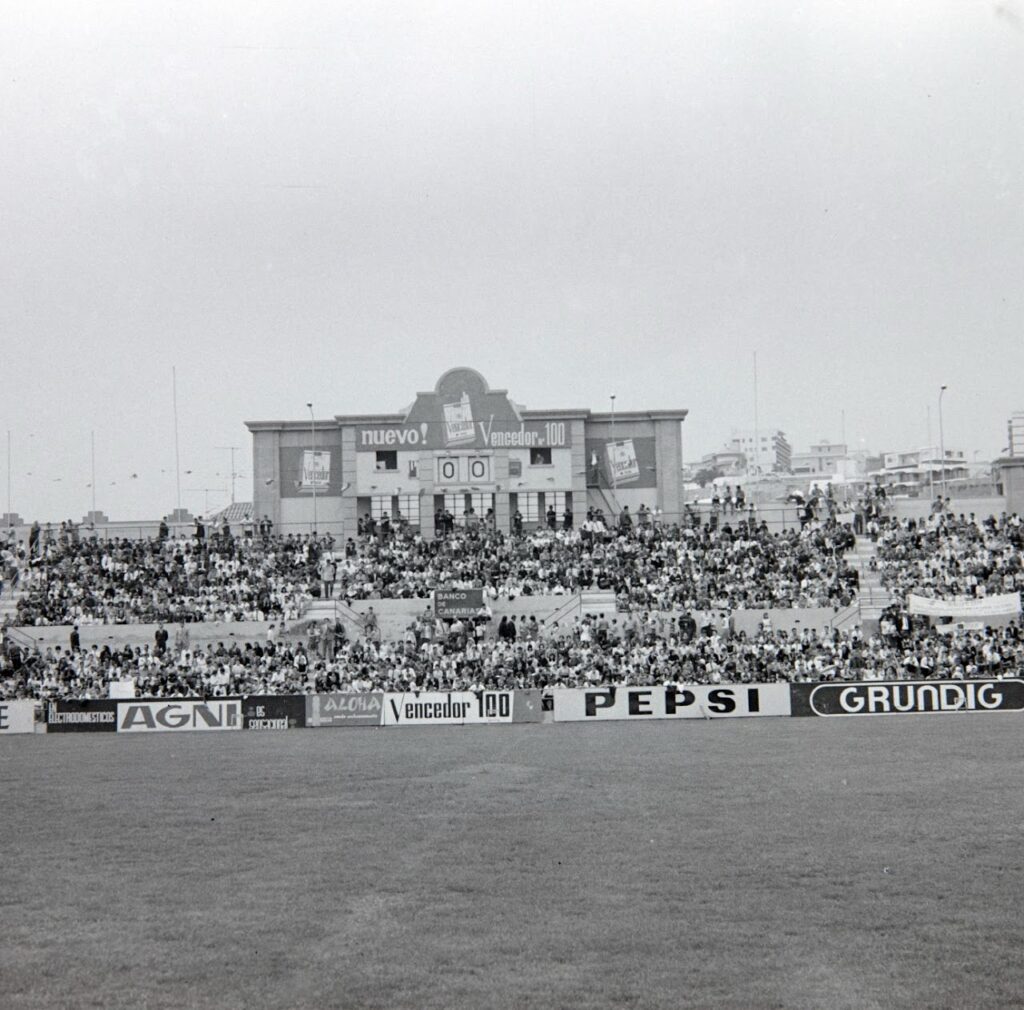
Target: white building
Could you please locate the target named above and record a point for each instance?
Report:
(768, 452)
(1016, 433)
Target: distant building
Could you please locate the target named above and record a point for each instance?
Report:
(769, 453)
(1015, 428)
(921, 468)
(728, 462)
(824, 458)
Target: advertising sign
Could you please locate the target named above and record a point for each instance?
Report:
(908, 697)
(344, 709)
(305, 471)
(632, 462)
(454, 708)
(690, 701)
(622, 461)
(965, 608)
(527, 706)
(18, 716)
(272, 712)
(316, 470)
(452, 603)
(462, 413)
(87, 716)
(168, 715)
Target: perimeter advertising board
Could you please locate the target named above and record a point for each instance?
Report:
(81, 716)
(273, 711)
(908, 697)
(344, 709)
(171, 715)
(18, 716)
(692, 701)
(452, 708)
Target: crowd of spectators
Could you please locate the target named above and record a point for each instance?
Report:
(738, 565)
(947, 555)
(660, 575)
(74, 580)
(632, 649)
(693, 565)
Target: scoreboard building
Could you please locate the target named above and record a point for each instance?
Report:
(470, 450)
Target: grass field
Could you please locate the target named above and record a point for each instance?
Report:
(758, 863)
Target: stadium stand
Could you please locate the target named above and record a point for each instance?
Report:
(670, 592)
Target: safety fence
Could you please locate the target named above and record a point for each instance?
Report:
(490, 708)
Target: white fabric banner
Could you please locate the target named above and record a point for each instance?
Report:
(965, 607)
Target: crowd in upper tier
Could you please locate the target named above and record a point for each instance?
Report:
(732, 564)
(948, 555)
(631, 649)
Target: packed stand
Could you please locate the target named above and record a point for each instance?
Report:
(632, 649)
(949, 556)
(726, 565)
(211, 576)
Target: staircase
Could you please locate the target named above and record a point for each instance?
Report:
(605, 500)
(330, 610)
(872, 596)
(598, 601)
(9, 605)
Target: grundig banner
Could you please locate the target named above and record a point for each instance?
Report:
(965, 608)
(692, 701)
(908, 697)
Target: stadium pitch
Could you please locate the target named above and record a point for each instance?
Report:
(759, 863)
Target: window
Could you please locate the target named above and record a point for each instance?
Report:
(387, 460)
(405, 505)
(457, 504)
(540, 457)
(534, 505)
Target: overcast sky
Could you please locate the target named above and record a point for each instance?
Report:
(337, 202)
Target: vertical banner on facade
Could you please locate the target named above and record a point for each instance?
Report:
(316, 470)
(622, 461)
(458, 421)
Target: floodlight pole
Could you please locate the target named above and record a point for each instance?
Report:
(612, 459)
(942, 443)
(312, 436)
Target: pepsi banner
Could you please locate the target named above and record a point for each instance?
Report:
(907, 697)
(689, 701)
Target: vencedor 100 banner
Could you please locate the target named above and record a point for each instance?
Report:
(452, 708)
(692, 701)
